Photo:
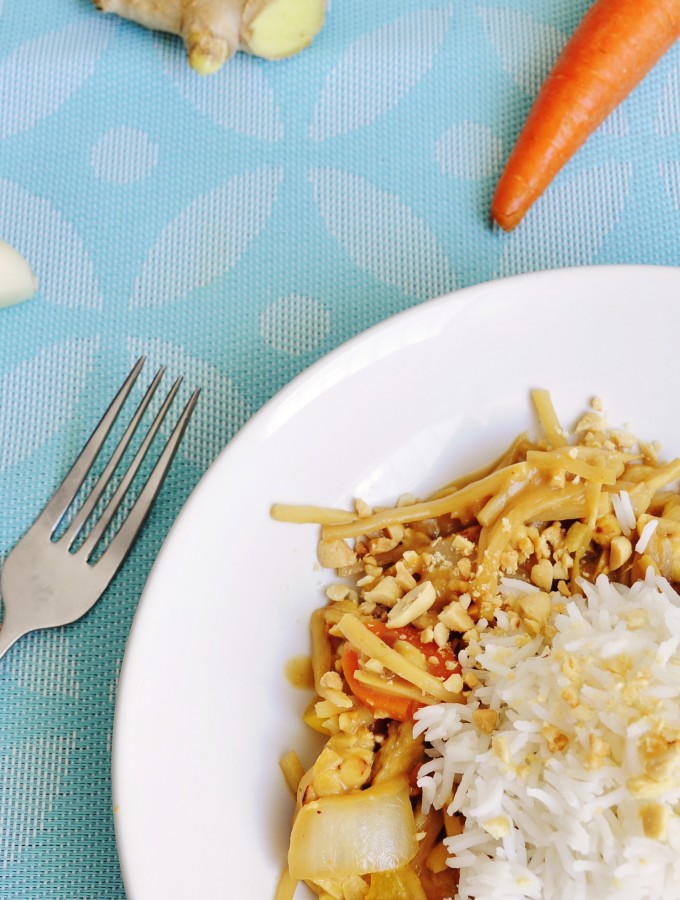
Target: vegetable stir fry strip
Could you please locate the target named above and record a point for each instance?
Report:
(417, 582)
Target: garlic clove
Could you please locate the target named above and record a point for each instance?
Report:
(17, 281)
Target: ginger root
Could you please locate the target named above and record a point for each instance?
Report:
(213, 30)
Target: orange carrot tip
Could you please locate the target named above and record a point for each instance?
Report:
(613, 48)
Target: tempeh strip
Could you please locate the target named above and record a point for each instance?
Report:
(637, 473)
(664, 474)
(516, 452)
(593, 496)
(607, 472)
(429, 825)
(462, 504)
(321, 648)
(495, 507)
(566, 509)
(548, 417)
(534, 504)
(310, 515)
(285, 889)
(395, 686)
(292, 769)
(641, 495)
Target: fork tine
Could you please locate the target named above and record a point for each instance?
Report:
(93, 497)
(60, 501)
(93, 538)
(122, 541)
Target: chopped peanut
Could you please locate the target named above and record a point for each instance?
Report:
(556, 740)
(362, 508)
(387, 591)
(441, 634)
(535, 608)
(542, 574)
(403, 577)
(411, 605)
(454, 683)
(463, 544)
(485, 719)
(471, 679)
(591, 421)
(608, 527)
(337, 592)
(620, 551)
(498, 827)
(335, 554)
(382, 544)
(654, 820)
(575, 536)
(456, 618)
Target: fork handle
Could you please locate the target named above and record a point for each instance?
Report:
(8, 637)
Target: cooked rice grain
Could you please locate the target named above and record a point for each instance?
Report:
(576, 793)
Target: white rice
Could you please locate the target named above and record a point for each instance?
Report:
(624, 512)
(567, 824)
(646, 535)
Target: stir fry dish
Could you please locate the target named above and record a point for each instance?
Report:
(497, 681)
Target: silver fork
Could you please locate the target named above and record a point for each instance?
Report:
(45, 581)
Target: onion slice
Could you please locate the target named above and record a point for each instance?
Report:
(354, 833)
(17, 281)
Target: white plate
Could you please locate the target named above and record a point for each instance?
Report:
(204, 709)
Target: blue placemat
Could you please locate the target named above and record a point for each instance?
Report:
(236, 228)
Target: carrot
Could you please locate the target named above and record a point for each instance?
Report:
(441, 661)
(394, 706)
(615, 45)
